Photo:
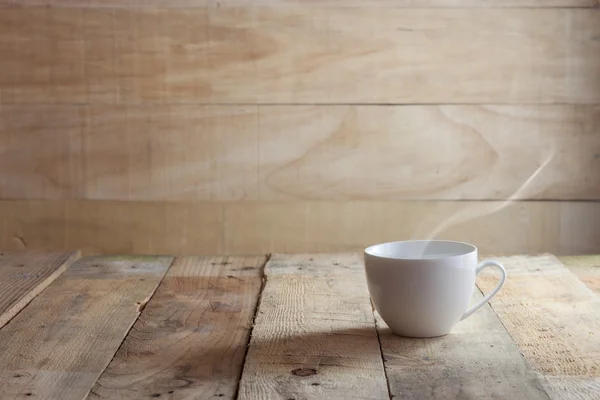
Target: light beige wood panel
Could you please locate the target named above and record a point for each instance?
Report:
(289, 55)
(477, 360)
(23, 275)
(528, 227)
(191, 338)
(260, 228)
(227, 153)
(312, 311)
(581, 222)
(113, 227)
(586, 268)
(304, 3)
(58, 346)
(125, 153)
(554, 319)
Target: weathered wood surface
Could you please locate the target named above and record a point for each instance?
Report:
(586, 268)
(478, 360)
(314, 3)
(232, 228)
(57, 347)
(23, 275)
(288, 55)
(314, 334)
(191, 338)
(555, 320)
(273, 153)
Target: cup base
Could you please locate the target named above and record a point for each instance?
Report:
(421, 337)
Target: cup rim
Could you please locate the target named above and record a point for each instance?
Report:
(369, 250)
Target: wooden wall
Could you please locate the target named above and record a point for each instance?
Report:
(233, 126)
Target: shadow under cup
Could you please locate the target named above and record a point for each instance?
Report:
(421, 288)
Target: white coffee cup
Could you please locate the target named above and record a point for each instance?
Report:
(422, 288)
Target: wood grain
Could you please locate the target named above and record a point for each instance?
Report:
(314, 334)
(113, 227)
(302, 3)
(24, 275)
(191, 339)
(586, 268)
(555, 320)
(58, 346)
(261, 228)
(288, 55)
(477, 360)
(273, 153)
(522, 227)
(290, 227)
(582, 229)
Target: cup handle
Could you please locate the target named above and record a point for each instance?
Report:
(486, 298)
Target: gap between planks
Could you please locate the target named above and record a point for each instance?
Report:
(553, 317)
(58, 346)
(385, 372)
(37, 270)
(192, 338)
(297, 350)
(140, 309)
(291, 334)
(263, 278)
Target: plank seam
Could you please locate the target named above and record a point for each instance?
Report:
(18, 307)
(537, 375)
(140, 308)
(263, 283)
(226, 203)
(136, 6)
(304, 104)
(385, 374)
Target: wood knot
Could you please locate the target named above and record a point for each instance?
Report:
(304, 371)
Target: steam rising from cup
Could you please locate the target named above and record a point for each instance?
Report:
(484, 208)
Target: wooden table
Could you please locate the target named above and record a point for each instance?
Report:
(173, 328)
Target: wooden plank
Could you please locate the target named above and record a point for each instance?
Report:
(272, 153)
(303, 3)
(112, 227)
(581, 233)
(289, 227)
(586, 268)
(314, 334)
(191, 338)
(477, 360)
(290, 56)
(58, 346)
(311, 226)
(555, 320)
(24, 275)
